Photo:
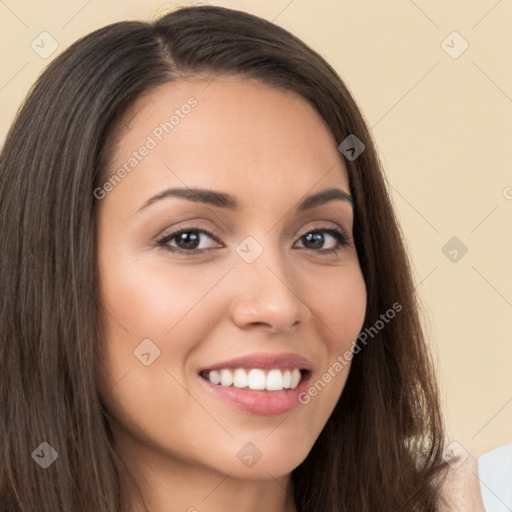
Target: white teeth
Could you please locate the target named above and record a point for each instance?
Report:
(287, 379)
(274, 380)
(257, 379)
(240, 380)
(226, 378)
(214, 377)
(296, 375)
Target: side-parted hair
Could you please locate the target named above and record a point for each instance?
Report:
(380, 449)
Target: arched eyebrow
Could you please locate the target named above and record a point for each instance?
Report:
(224, 200)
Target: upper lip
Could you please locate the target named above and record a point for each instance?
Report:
(263, 361)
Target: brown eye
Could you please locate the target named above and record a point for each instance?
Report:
(187, 240)
(317, 239)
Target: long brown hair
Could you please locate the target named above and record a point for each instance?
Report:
(381, 448)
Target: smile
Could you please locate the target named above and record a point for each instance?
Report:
(263, 384)
(257, 379)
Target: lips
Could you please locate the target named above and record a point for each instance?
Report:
(264, 384)
(263, 361)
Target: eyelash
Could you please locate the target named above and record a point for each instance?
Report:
(340, 236)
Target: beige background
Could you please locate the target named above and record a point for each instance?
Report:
(443, 126)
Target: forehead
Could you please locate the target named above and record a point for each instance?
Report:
(225, 134)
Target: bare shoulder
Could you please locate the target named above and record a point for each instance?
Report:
(461, 489)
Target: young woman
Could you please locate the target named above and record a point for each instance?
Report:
(206, 303)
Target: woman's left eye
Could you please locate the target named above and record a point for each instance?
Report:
(338, 239)
(190, 240)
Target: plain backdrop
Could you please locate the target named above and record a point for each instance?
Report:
(434, 81)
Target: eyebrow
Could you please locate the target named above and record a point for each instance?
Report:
(224, 200)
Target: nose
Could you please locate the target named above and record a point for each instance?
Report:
(264, 295)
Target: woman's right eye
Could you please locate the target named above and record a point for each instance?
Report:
(187, 241)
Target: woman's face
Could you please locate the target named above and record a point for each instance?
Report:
(256, 288)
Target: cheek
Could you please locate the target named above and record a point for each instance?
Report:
(146, 301)
(166, 312)
(153, 299)
(339, 301)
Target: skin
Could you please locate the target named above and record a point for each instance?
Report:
(270, 149)
(461, 488)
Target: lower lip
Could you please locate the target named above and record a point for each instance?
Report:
(263, 403)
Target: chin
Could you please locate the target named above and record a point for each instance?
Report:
(265, 456)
